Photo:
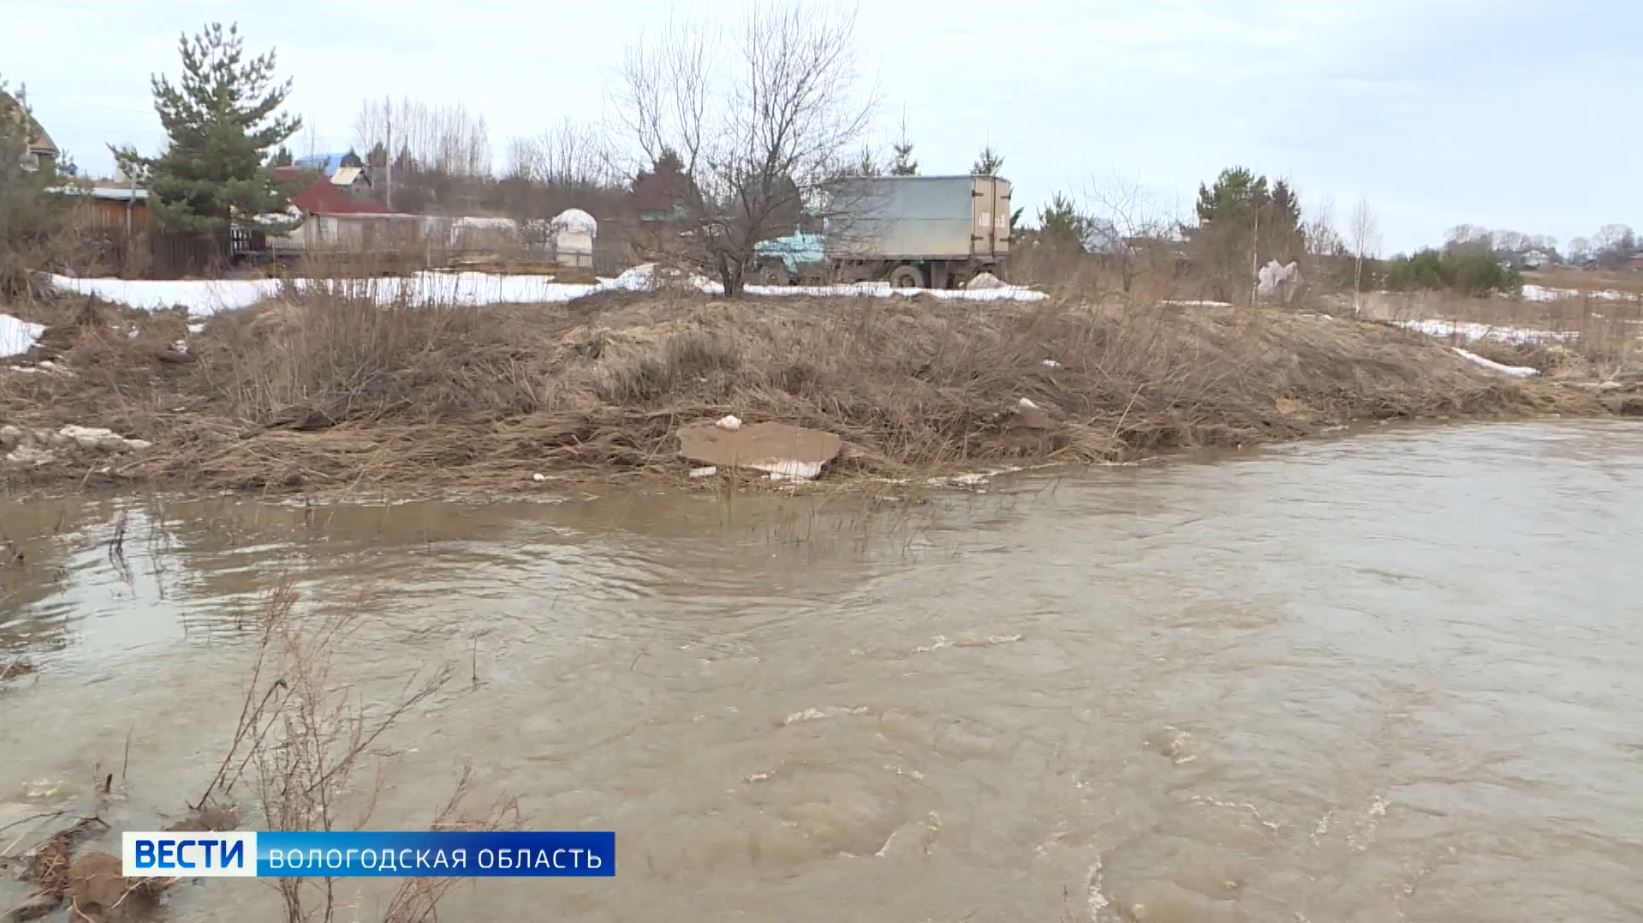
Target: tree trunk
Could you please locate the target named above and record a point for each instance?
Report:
(733, 282)
(732, 275)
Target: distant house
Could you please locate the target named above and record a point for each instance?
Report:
(335, 222)
(328, 164)
(1537, 259)
(1635, 264)
(42, 152)
(345, 170)
(353, 179)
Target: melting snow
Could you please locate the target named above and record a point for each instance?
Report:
(1543, 293)
(1516, 371)
(18, 336)
(1472, 331)
(208, 296)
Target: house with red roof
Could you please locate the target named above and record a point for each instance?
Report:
(335, 222)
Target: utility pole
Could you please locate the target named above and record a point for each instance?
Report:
(1255, 260)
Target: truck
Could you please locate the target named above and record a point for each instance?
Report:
(912, 231)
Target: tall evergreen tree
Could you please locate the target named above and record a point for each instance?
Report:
(865, 164)
(988, 163)
(1281, 235)
(1244, 220)
(669, 161)
(1061, 226)
(282, 158)
(903, 164)
(1234, 197)
(221, 120)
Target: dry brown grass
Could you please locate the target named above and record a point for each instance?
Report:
(1589, 281)
(328, 392)
(1599, 338)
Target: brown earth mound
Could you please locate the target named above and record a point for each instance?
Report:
(327, 393)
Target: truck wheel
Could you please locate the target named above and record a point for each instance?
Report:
(772, 274)
(906, 276)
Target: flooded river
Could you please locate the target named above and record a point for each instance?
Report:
(1395, 676)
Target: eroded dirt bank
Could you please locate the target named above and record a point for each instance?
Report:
(326, 393)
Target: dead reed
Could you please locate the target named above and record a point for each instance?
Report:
(304, 743)
(334, 390)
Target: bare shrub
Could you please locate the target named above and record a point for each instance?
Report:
(304, 743)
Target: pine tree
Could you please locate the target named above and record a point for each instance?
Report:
(865, 165)
(1236, 193)
(221, 120)
(1061, 226)
(282, 158)
(1241, 220)
(988, 163)
(903, 163)
(1281, 236)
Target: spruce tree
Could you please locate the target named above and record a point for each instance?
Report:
(988, 163)
(221, 121)
(669, 162)
(903, 163)
(865, 164)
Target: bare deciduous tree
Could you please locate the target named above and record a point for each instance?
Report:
(438, 139)
(1129, 228)
(1318, 232)
(569, 155)
(759, 129)
(1365, 239)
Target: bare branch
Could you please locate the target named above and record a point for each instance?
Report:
(758, 139)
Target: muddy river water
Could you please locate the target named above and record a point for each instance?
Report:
(1394, 676)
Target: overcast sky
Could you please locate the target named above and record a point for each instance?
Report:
(1510, 114)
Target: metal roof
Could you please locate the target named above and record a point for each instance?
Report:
(109, 193)
(325, 163)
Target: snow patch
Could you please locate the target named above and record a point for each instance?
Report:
(1515, 371)
(1445, 329)
(18, 336)
(1545, 293)
(203, 297)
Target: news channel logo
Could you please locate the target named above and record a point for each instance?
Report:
(368, 854)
